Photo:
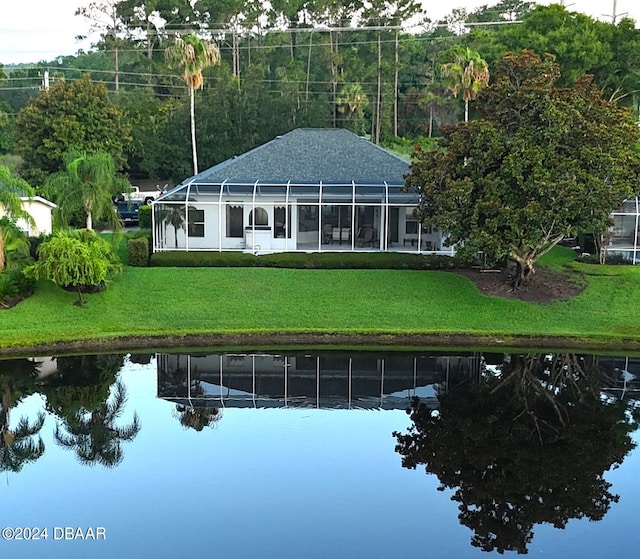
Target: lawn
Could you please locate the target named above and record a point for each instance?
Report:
(145, 302)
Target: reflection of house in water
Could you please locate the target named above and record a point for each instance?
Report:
(322, 380)
(620, 375)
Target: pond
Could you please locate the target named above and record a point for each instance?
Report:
(319, 454)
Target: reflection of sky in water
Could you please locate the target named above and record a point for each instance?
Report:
(267, 483)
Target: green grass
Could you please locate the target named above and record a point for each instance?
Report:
(177, 301)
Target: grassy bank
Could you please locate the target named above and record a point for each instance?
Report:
(146, 302)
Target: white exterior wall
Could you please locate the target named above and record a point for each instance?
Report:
(41, 211)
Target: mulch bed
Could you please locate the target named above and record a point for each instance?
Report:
(546, 286)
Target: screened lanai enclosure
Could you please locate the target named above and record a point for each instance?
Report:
(309, 190)
(624, 235)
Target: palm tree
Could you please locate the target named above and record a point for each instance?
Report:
(353, 101)
(94, 436)
(11, 190)
(174, 215)
(468, 72)
(88, 184)
(193, 55)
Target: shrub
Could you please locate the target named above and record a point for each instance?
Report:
(25, 285)
(144, 217)
(325, 260)
(8, 289)
(138, 249)
(203, 259)
(78, 259)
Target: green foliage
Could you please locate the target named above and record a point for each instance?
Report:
(327, 260)
(8, 289)
(138, 250)
(69, 116)
(15, 244)
(144, 217)
(87, 185)
(14, 284)
(543, 163)
(77, 259)
(82, 383)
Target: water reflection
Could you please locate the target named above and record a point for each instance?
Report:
(328, 380)
(528, 444)
(18, 444)
(289, 443)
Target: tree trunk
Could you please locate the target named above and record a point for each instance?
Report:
(306, 93)
(395, 90)
(334, 81)
(79, 302)
(379, 91)
(89, 220)
(193, 129)
(524, 272)
(117, 63)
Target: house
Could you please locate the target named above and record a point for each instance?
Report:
(308, 190)
(41, 211)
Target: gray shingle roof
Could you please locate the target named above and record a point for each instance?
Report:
(311, 155)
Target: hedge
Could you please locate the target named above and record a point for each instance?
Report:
(325, 260)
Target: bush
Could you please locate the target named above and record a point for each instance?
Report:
(138, 249)
(35, 243)
(317, 260)
(14, 285)
(8, 289)
(183, 259)
(78, 259)
(144, 217)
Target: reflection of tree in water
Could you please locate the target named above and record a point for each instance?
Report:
(93, 434)
(82, 382)
(86, 397)
(198, 418)
(17, 446)
(527, 446)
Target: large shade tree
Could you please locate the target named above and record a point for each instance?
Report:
(193, 55)
(69, 116)
(542, 163)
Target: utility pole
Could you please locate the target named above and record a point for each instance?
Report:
(614, 16)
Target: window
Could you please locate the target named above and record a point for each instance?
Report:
(196, 223)
(235, 221)
(282, 222)
(411, 226)
(261, 217)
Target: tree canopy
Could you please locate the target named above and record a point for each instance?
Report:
(76, 115)
(542, 163)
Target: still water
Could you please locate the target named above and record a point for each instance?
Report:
(320, 455)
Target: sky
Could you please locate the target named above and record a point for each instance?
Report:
(34, 30)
